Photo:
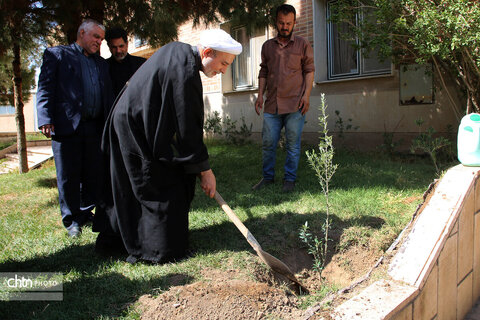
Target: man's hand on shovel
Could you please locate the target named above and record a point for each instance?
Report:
(208, 182)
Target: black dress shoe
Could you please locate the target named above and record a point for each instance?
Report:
(288, 186)
(89, 220)
(74, 232)
(131, 259)
(261, 184)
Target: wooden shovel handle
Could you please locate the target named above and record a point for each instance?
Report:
(272, 262)
(240, 226)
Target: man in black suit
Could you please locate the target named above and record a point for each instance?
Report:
(73, 99)
(122, 64)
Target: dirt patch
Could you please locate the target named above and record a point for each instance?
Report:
(221, 298)
(350, 265)
(8, 196)
(411, 199)
(234, 294)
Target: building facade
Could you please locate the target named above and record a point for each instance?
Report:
(366, 97)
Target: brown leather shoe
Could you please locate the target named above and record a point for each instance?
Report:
(261, 184)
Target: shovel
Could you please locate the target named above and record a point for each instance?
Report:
(272, 262)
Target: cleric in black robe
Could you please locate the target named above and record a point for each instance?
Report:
(154, 137)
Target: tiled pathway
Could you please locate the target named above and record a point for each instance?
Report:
(36, 156)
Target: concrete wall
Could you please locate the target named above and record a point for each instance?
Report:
(436, 272)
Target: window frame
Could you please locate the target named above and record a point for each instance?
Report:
(360, 56)
(255, 63)
(10, 110)
(139, 42)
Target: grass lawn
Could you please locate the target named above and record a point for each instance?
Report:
(372, 200)
(7, 142)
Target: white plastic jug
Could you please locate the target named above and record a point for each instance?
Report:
(468, 142)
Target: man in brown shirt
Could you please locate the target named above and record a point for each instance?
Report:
(286, 72)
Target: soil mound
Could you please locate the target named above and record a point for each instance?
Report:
(221, 299)
(232, 294)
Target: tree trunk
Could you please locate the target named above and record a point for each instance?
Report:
(19, 117)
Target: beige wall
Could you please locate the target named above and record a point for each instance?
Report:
(372, 103)
(435, 273)
(8, 123)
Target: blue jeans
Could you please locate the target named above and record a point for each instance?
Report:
(272, 125)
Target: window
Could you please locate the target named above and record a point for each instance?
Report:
(247, 64)
(7, 110)
(139, 42)
(416, 84)
(344, 60)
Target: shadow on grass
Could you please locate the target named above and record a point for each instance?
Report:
(90, 295)
(96, 293)
(278, 234)
(238, 169)
(47, 182)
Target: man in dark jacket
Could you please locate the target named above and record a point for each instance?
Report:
(73, 99)
(122, 64)
(154, 137)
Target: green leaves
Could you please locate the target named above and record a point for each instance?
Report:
(314, 247)
(426, 142)
(213, 126)
(419, 30)
(321, 162)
